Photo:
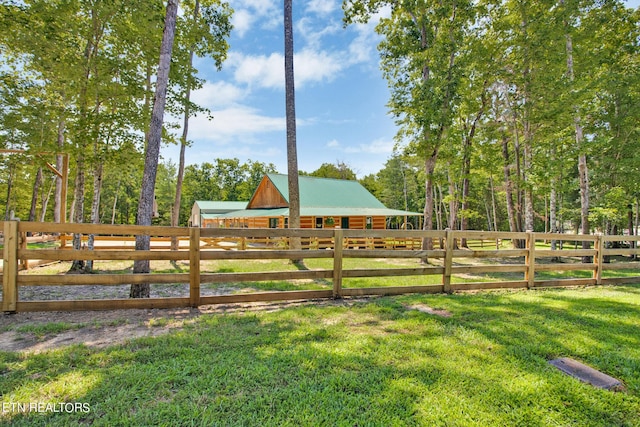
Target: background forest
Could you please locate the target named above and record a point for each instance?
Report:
(512, 115)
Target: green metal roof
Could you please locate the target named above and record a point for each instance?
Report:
(214, 207)
(249, 213)
(318, 212)
(327, 192)
(320, 197)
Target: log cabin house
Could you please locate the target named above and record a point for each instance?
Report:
(324, 203)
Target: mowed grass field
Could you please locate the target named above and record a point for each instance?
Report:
(482, 360)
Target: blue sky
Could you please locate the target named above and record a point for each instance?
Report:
(340, 92)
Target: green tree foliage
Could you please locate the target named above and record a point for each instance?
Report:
(339, 170)
(79, 75)
(224, 179)
(519, 112)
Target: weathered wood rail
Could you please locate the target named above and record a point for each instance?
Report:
(335, 244)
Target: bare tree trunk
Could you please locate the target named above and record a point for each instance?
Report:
(115, 203)
(152, 152)
(78, 209)
(464, 221)
(553, 207)
(59, 164)
(635, 225)
(7, 207)
(34, 196)
(429, 167)
(583, 171)
(45, 200)
(175, 212)
(528, 184)
(508, 184)
(95, 207)
(453, 206)
(493, 204)
(466, 162)
(292, 153)
(452, 219)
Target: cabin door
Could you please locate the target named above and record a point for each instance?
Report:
(344, 222)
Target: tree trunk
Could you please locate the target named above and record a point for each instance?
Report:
(493, 204)
(429, 168)
(34, 196)
(464, 221)
(466, 163)
(95, 207)
(553, 207)
(115, 203)
(7, 207)
(45, 200)
(583, 171)
(292, 153)
(175, 212)
(508, 185)
(58, 202)
(453, 206)
(453, 201)
(635, 225)
(152, 152)
(78, 209)
(527, 173)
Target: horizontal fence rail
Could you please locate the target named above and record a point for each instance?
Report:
(517, 257)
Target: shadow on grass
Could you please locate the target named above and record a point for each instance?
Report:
(367, 364)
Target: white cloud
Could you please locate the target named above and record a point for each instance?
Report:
(333, 144)
(313, 34)
(234, 123)
(242, 21)
(268, 71)
(322, 7)
(248, 13)
(378, 146)
(218, 94)
(258, 70)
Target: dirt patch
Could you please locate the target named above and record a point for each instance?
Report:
(99, 329)
(429, 310)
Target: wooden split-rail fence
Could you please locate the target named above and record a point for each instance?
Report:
(115, 242)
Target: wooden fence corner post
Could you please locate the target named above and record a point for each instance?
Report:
(194, 266)
(338, 242)
(530, 260)
(598, 260)
(10, 267)
(448, 260)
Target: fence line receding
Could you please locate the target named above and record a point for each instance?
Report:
(519, 260)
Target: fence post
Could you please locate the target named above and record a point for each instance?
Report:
(530, 260)
(10, 267)
(598, 259)
(338, 242)
(194, 266)
(448, 260)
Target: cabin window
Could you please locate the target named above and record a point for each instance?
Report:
(369, 223)
(319, 222)
(273, 222)
(286, 222)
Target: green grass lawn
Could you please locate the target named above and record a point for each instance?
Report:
(376, 363)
